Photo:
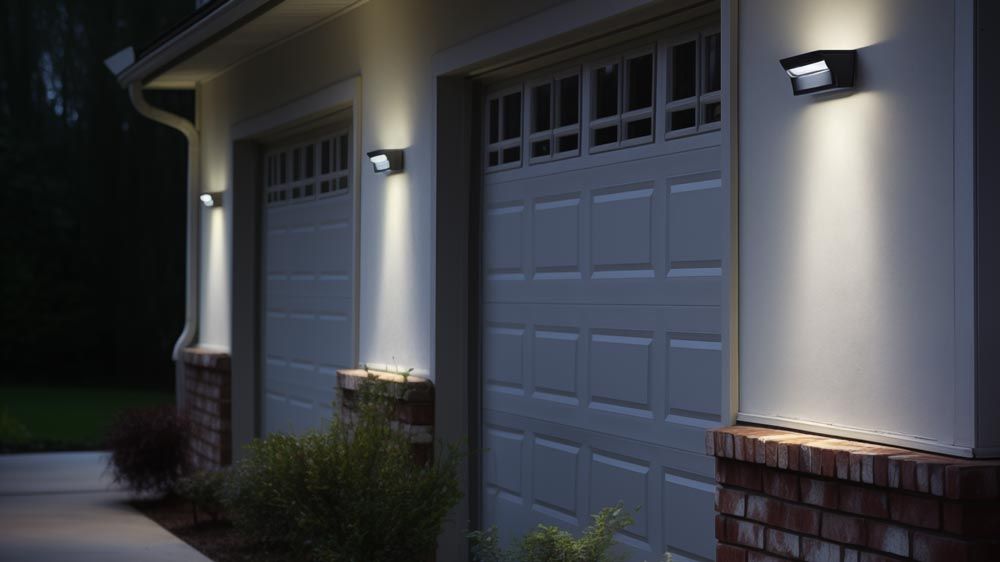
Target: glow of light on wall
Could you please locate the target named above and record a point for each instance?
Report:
(838, 290)
(395, 306)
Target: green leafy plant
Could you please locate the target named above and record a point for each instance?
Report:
(149, 448)
(395, 370)
(205, 492)
(351, 493)
(548, 543)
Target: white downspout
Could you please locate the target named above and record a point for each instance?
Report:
(190, 132)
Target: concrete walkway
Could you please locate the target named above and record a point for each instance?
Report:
(62, 506)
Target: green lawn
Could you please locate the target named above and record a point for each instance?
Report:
(64, 417)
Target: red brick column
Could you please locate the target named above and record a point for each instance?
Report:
(207, 403)
(414, 407)
(783, 495)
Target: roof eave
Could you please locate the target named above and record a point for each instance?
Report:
(189, 39)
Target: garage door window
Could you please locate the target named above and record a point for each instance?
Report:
(694, 90)
(607, 103)
(554, 107)
(309, 170)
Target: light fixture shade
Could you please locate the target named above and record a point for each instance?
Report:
(211, 199)
(821, 71)
(386, 161)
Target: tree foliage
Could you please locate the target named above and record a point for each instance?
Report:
(91, 198)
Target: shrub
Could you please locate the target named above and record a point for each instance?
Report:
(149, 448)
(351, 493)
(204, 491)
(551, 544)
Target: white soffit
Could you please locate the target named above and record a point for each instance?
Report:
(236, 31)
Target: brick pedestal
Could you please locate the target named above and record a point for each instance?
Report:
(207, 403)
(414, 408)
(784, 495)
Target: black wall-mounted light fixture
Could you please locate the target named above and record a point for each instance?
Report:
(211, 199)
(386, 161)
(821, 71)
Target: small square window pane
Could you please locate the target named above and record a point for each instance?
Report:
(512, 154)
(640, 81)
(682, 119)
(541, 107)
(343, 159)
(494, 158)
(324, 187)
(310, 166)
(568, 143)
(713, 112)
(310, 189)
(638, 129)
(296, 193)
(324, 160)
(569, 100)
(606, 135)
(541, 148)
(494, 120)
(512, 116)
(606, 91)
(713, 63)
(684, 70)
(342, 182)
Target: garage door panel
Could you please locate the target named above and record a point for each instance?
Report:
(689, 532)
(674, 291)
(604, 470)
(539, 182)
(696, 226)
(555, 476)
(556, 247)
(621, 232)
(503, 253)
(556, 358)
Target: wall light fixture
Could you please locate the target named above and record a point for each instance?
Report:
(211, 199)
(386, 161)
(821, 71)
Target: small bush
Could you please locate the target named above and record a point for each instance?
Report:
(351, 493)
(205, 491)
(551, 544)
(149, 448)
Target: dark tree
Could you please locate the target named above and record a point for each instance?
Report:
(91, 199)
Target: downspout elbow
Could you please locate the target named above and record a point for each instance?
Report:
(190, 132)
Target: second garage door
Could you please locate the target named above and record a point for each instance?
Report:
(603, 235)
(308, 269)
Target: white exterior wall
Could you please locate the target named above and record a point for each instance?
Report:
(855, 214)
(390, 44)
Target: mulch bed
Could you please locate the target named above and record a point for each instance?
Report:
(216, 539)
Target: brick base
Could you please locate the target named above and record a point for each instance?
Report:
(414, 408)
(207, 403)
(783, 495)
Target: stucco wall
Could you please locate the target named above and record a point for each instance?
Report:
(849, 210)
(390, 44)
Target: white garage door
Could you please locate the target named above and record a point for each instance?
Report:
(308, 310)
(603, 235)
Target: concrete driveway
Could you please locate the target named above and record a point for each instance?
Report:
(62, 506)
